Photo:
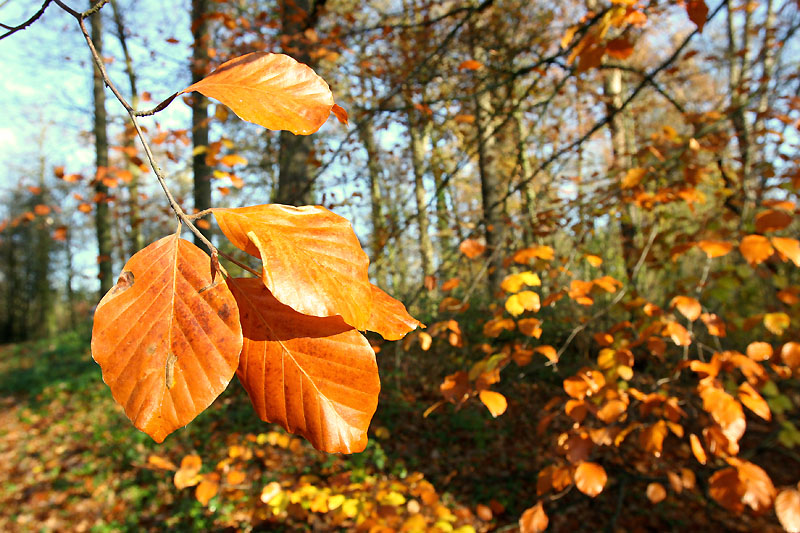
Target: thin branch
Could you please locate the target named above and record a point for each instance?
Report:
(14, 29)
(98, 61)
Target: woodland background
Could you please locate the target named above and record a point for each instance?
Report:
(591, 204)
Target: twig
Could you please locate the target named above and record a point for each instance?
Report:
(14, 29)
(98, 61)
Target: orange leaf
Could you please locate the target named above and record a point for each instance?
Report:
(754, 401)
(759, 492)
(425, 341)
(714, 324)
(545, 253)
(547, 351)
(697, 449)
(759, 351)
(340, 114)
(450, 284)
(590, 478)
(689, 307)
(790, 355)
(594, 260)
(715, 248)
(679, 335)
(389, 317)
(656, 492)
(516, 304)
(271, 90)
(207, 488)
(316, 377)
(188, 474)
(159, 462)
(166, 337)
(312, 260)
(470, 64)
(533, 520)
(471, 248)
(697, 11)
(789, 248)
(41, 209)
(772, 220)
(755, 249)
(787, 507)
(494, 401)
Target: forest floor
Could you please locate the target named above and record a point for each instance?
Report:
(71, 461)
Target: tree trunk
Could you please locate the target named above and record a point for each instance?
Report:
(420, 137)
(294, 176)
(135, 237)
(102, 213)
(379, 234)
(491, 183)
(202, 172)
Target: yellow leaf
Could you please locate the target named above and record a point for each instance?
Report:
(633, 177)
(776, 323)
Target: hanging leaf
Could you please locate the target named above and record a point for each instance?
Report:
(590, 478)
(656, 492)
(316, 377)
(776, 323)
(271, 90)
(534, 520)
(494, 401)
(788, 248)
(698, 12)
(772, 220)
(755, 249)
(689, 307)
(312, 260)
(697, 449)
(714, 249)
(389, 317)
(754, 401)
(166, 337)
(471, 248)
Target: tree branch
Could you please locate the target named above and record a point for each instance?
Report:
(14, 29)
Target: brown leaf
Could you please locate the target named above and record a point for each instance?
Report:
(698, 12)
(772, 220)
(166, 338)
(389, 317)
(619, 48)
(271, 90)
(316, 377)
(533, 520)
(590, 478)
(312, 260)
(340, 114)
(455, 387)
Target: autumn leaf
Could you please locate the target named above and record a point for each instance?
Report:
(207, 488)
(516, 304)
(751, 399)
(514, 282)
(698, 12)
(470, 64)
(590, 478)
(166, 337)
(312, 259)
(656, 492)
(697, 449)
(788, 248)
(776, 323)
(494, 401)
(633, 177)
(534, 520)
(714, 249)
(689, 307)
(772, 220)
(619, 48)
(188, 474)
(756, 249)
(787, 507)
(271, 90)
(316, 377)
(389, 317)
(471, 248)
